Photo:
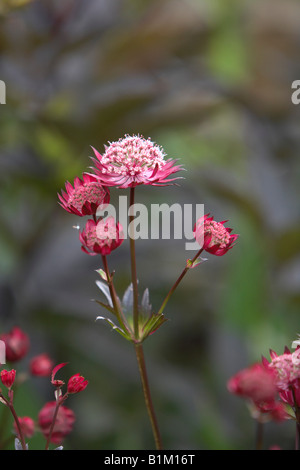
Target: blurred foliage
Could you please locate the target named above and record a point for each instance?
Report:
(209, 81)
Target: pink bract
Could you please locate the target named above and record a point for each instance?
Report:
(213, 236)
(85, 196)
(101, 237)
(132, 161)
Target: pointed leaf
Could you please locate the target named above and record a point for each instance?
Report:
(190, 264)
(105, 289)
(145, 305)
(127, 301)
(115, 327)
(108, 307)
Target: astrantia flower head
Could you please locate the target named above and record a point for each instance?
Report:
(286, 368)
(85, 197)
(101, 237)
(63, 424)
(132, 161)
(213, 236)
(16, 344)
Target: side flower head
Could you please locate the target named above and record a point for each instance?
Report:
(16, 344)
(85, 196)
(286, 368)
(213, 236)
(63, 424)
(101, 237)
(41, 365)
(27, 426)
(8, 377)
(132, 161)
(77, 383)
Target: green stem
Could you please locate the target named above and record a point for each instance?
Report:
(133, 266)
(138, 346)
(259, 435)
(147, 395)
(186, 269)
(10, 405)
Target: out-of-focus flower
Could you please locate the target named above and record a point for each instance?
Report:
(27, 426)
(254, 382)
(76, 384)
(16, 344)
(101, 237)
(213, 236)
(134, 160)
(41, 365)
(258, 385)
(85, 197)
(63, 423)
(8, 377)
(286, 368)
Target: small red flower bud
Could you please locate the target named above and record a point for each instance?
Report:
(8, 377)
(16, 344)
(76, 384)
(213, 236)
(41, 365)
(27, 426)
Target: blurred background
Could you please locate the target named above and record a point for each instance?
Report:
(209, 81)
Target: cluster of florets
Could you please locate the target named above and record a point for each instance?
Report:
(54, 420)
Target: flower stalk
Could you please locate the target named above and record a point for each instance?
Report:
(9, 404)
(147, 395)
(175, 285)
(133, 266)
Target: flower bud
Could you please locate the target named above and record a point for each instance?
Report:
(41, 365)
(8, 377)
(16, 344)
(76, 384)
(27, 426)
(63, 424)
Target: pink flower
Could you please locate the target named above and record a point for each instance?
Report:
(16, 344)
(258, 385)
(101, 237)
(85, 197)
(63, 423)
(41, 365)
(286, 368)
(8, 377)
(132, 161)
(213, 237)
(27, 426)
(76, 384)
(255, 382)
